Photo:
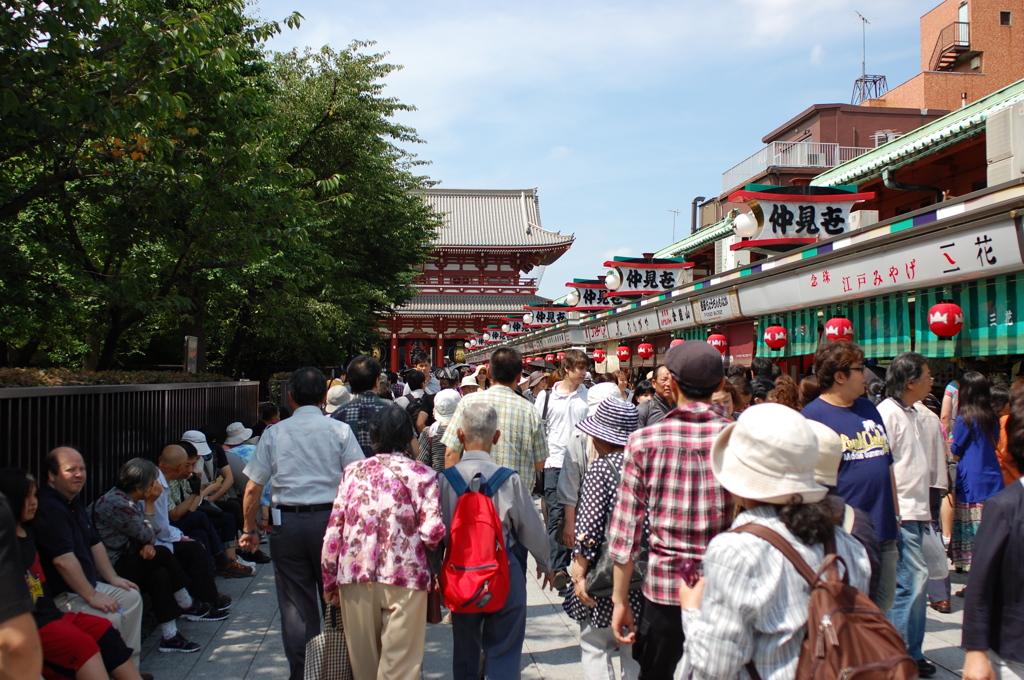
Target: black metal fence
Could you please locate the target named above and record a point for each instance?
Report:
(111, 424)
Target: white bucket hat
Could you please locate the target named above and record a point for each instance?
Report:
(445, 403)
(768, 455)
(237, 433)
(198, 440)
(830, 453)
(337, 397)
(600, 392)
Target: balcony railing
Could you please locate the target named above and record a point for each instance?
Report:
(789, 155)
(953, 40)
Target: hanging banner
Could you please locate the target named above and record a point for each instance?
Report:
(632, 276)
(935, 260)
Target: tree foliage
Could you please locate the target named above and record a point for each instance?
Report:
(161, 173)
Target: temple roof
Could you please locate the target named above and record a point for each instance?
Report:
(470, 304)
(493, 218)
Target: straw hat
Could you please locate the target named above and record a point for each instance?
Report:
(613, 421)
(768, 455)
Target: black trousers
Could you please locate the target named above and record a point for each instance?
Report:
(296, 545)
(159, 578)
(659, 640)
(197, 564)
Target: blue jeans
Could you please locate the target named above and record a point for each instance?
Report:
(560, 555)
(909, 610)
(492, 643)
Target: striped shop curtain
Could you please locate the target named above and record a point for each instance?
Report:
(801, 326)
(881, 326)
(695, 333)
(992, 312)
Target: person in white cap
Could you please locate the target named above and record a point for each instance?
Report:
(337, 397)
(751, 603)
(431, 447)
(468, 385)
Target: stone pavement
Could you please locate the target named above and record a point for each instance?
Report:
(247, 646)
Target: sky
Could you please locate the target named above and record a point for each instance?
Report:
(619, 112)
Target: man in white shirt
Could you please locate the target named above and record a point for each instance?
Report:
(561, 407)
(909, 380)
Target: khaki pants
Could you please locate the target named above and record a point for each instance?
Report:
(386, 628)
(128, 621)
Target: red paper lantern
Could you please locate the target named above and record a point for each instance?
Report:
(677, 341)
(719, 342)
(561, 355)
(622, 353)
(775, 337)
(550, 357)
(945, 319)
(599, 356)
(645, 350)
(838, 328)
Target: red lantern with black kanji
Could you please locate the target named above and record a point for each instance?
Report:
(550, 357)
(946, 319)
(599, 355)
(560, 355)
(719, 342)
(839, 328)
(622, 353)
(776, 337)
(645, 350)
(676, 342)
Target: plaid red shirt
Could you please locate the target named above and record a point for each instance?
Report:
(667, 475)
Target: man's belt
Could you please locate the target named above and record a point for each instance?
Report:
(319, 507)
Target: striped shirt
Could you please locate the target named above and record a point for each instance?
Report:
(522, 444)
(754, 605)
(667, 477)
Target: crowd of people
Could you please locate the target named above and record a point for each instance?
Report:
(644, 503)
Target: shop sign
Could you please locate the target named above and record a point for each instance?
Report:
(633, 326)
(493, 336)
(589, 295)
(558, 339)
(542, 318)
(516, 327)
(786, 216)
(596, 333)
(679, 315)
(716, 308)
(937, 260)
(640, 281)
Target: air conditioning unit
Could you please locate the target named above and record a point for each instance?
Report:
(1004, 144)
(862, 218)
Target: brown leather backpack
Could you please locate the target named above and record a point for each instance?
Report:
(847, 635)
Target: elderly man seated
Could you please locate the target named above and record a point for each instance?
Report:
(74, 558)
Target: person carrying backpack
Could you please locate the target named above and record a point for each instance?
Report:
(493, 510)
(754, 607)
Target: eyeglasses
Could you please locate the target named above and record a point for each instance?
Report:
(860, 369)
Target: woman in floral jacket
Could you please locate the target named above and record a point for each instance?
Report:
(387, 515)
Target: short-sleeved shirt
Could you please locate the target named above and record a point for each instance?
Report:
(16, 600)
(306, 455)
(358, 414)
(44, 610)
(522, 443)
(904, 428)
(864, 480)
(563, 412)
(63, 527)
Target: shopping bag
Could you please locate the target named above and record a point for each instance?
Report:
(934, 553)
(327, 653)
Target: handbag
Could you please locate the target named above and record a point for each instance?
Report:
(327, 653)
(934, 553)
(600, 579)
(434, 601)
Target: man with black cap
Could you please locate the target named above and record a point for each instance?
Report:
(666, 477)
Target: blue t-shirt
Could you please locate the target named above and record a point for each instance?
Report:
(864, 479)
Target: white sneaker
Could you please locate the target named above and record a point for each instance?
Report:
(245, 563)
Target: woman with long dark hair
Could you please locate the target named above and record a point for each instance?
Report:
(978, 476)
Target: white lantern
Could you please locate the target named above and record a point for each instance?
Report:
(613, 279)
(745, 225)
(505, 328)
(528, 318)
(573, 298)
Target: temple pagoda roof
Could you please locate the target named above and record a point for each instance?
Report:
(469, 304)
(495, 219)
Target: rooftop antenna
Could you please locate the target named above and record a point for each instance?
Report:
(675, 213)
(867, 86)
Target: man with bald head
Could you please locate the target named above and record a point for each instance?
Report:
(193, 556)
(74, 556)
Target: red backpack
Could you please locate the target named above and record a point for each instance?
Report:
(475, 576)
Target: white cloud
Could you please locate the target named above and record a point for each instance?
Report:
(817, 54)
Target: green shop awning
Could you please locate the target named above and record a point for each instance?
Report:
(992, 310)
(694, 333)
(881, 326)
(801, 327)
